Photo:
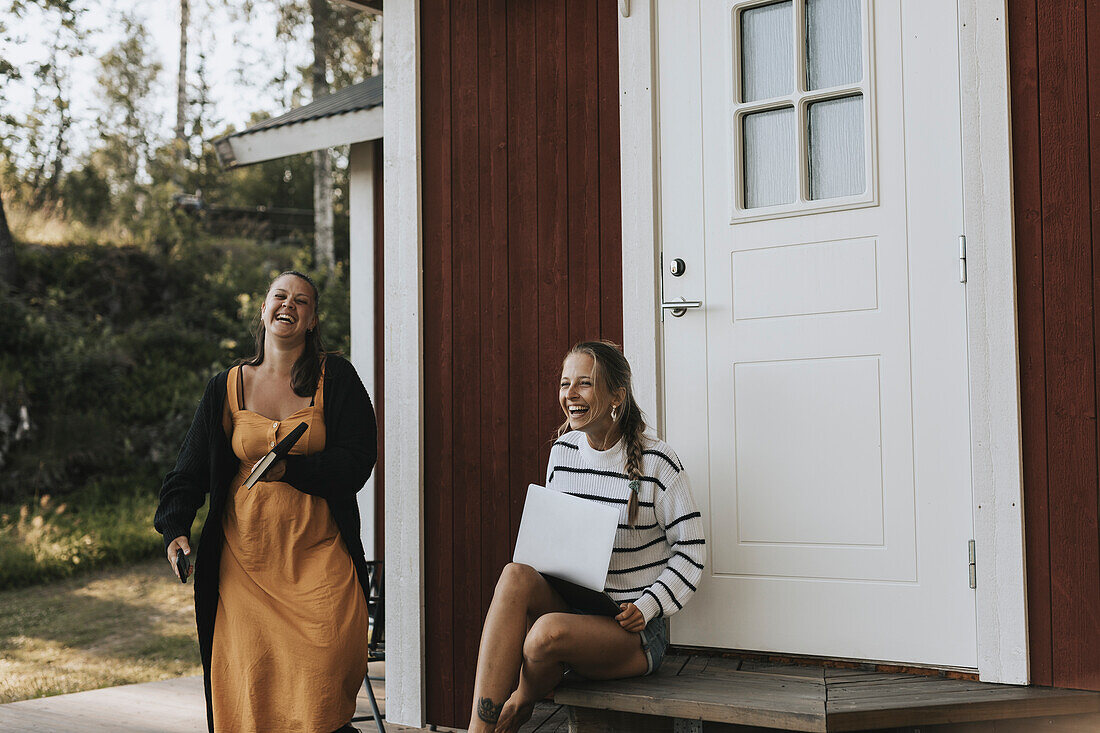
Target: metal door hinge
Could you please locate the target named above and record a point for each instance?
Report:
(624, 8)
(962, 258)
(973, 566)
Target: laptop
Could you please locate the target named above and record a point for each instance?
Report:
(569, 540)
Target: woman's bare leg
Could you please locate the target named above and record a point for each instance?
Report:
(597, 647)
(521, 593)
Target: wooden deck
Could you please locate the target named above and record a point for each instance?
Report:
(804, 698)
(176, 706)
(731, 694)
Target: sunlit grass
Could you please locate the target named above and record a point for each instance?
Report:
(44, 539)
(49, 226)
(110, 627)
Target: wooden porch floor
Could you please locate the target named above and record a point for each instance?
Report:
(726, 692)
(806, 698)
(176, 706)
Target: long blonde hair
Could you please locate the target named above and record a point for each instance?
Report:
(611, 370)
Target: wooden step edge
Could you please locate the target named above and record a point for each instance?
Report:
(672, 706)
(966, 709)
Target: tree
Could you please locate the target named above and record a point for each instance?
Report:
(40, 138)
(127, 75)
(182, 143)
(48, 126)
(67, 12)
(355, 46)
(324, 246)
(8, 267)
(9, 272)
(344, 48)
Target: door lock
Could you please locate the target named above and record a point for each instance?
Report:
(677, 267)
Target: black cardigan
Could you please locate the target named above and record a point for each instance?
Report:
(206, 464)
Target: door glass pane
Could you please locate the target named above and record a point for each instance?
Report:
(834, 51)
(770, 158)
(836, 148)
(767, 51)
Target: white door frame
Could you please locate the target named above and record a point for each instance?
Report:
(990, 299)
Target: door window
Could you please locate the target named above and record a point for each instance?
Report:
(801, 118)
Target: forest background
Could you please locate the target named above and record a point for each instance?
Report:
(121, 292)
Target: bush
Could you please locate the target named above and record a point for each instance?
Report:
(105, 358)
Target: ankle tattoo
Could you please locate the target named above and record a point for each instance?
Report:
(488, 711)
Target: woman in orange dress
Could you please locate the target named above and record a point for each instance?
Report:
(279, 599)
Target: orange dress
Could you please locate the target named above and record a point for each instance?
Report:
(290, 635)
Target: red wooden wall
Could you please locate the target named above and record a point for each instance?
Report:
(522, 257)
(1055, 89)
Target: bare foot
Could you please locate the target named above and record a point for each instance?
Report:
(514, 714)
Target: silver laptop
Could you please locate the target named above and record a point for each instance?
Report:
(566, 536)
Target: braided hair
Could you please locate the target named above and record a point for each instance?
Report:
(611, 370)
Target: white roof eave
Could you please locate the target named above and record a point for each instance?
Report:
(301, 137)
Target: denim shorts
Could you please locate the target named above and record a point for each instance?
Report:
(655, 643)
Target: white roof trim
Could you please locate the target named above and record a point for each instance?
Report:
(306, 136)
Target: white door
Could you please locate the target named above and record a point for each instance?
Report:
(810, 183)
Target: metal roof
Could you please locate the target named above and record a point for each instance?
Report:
(364, 95)
(371, 6)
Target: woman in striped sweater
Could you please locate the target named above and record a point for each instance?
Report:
(603, 454)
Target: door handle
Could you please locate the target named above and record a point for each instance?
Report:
(680, 307)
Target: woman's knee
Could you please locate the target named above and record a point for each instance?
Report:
(547, 640)
(516, 578)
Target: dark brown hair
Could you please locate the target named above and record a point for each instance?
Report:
(611, 370)
(307, 369)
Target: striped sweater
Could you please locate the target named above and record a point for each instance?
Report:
(657, 563)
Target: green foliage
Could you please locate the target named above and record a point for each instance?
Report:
(107, 352)
(107, 523)
(127, 75)
(87, 194)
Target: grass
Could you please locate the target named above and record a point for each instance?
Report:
(47, 539)
(110, 627)
(49, 226)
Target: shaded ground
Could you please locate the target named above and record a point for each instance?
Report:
(110, 627)
(176, 706)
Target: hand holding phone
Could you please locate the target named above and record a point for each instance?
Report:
(183, 566)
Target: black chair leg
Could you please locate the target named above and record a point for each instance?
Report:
(377, 717)
(374, 705)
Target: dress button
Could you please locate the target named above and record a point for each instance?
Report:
(275, 425)
(273, 444)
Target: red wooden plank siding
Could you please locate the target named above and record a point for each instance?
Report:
(523, 316)
(521, 220)
(610, 207)
(1067, 294)
(1027, 197)
(552, 246)
(493, 146)
(467, 394)
(1055, 202)
(438, 387)
(581, 164)
(1093, 42)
